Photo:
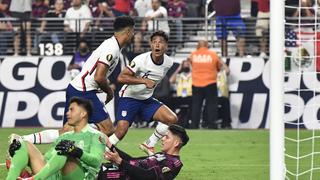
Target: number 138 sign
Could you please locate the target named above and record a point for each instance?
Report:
(50, 49)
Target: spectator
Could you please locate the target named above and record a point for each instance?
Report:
(228, 18)
(178, 9)
(205, 66)
(22, 11)
(142, 6)
(162, 165)
(52, 30)
(254, 8)
(157, 11)
(101, 10)
(122, 7)
(81, 56)
(6, 31)
(6, 34)
(223, 98)
(183, 84)
(262, 25)
(77, 11)
(39, 10)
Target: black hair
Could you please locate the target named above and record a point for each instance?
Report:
(85, 103)
(122, 22)
(161, 34)
(180, 132)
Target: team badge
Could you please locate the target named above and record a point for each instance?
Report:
(102, 140)
(124, 113)
(109, 57)
(165, 169)
(132, 64)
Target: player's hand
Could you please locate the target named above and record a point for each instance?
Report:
(110, 95)
(149, 83)
(113, 156)
(15, 145)
(67, 148)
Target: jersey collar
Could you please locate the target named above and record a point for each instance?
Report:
(154, 62)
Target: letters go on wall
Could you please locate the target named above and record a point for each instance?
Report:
(32, 93)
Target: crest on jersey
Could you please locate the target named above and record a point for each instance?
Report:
(165, 169)
(102, 140)
(124, 113)
(132, 64)
(109, 57)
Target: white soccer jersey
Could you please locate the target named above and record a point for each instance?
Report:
(107, 53)
(143, 66)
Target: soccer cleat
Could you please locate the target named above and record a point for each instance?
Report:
(147, 149)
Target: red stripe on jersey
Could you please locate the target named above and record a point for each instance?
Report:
(39, 138)
(130, 69)
(94, 67)
(82, 80)
(122, 92)
(102, 62)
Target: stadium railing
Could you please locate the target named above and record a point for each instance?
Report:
(193, 29)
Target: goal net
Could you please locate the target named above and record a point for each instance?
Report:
(301, 89)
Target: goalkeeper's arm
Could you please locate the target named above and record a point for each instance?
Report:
(92, 158)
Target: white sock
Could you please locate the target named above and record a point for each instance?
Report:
(42, 137)
(159, 132)
(113, 139)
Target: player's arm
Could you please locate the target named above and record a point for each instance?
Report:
(95, 155)
(102, 81)
(127, 76)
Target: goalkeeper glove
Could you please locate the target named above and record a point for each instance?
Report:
(15, 145)
(67, 148)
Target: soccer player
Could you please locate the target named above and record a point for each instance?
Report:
(164, 165)
(140, 78)
(93, 79)
(75, 155)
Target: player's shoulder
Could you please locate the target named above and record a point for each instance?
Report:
(110, 44)
(168, 60)
(143, 55)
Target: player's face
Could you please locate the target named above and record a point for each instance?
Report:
(158, 46)
(169, 142)
(75, 114)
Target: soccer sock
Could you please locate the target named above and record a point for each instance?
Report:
(159, 132)
(42, 137)
(113, 139)
(18, 162)
(55, 163)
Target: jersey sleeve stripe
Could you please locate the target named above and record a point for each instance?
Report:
(94, 67)
(82, 81)
(103, 63)
(130, 69)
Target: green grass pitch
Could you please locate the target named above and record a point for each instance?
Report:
(209, 155)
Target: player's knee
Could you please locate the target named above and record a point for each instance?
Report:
(70, 166)
(106, 127)
(172, 119)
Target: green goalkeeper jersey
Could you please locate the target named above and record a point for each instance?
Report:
(92, 142)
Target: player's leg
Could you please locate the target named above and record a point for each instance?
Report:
(164, 115)
(48, 136)
(127, 110)
(72, 170)
(26, 153)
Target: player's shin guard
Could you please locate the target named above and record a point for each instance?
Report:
(18, 162)
(159, 132)
(42, 137)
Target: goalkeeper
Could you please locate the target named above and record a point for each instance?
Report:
(75, 155)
